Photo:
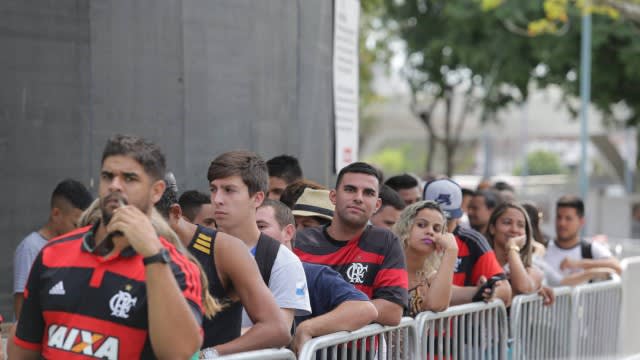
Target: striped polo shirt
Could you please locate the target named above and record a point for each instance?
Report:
(79, 305)
(373, 262)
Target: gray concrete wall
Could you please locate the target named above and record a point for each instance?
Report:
(197, 76)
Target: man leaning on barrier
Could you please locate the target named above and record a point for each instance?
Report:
(335, 304)
(234, 279)
(368, 257)
(570, 259)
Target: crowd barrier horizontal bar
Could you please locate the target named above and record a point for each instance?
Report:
(470, 331)
(267, 354)
(538, 331)
(370, 342)
(596, 319)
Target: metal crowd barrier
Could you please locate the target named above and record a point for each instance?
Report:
(267, 354)
(370, 342)
(630, 316)
(470, 331)
(596, 319)
(539, 331)
(584, 322)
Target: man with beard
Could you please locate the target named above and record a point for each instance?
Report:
(368, 257)
(114, 290)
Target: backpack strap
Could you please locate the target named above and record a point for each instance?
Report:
(585, 249)
(266, 252)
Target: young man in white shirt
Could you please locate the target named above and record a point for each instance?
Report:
(238, 181)
(571, 260)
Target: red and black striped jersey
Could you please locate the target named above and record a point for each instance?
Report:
(79, 305)
(475, 258)
(373, 262)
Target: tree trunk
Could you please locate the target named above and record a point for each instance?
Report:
(448, 141)
(425, 117)
(431, 152)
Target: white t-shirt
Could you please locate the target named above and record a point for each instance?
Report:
(555, 255)
(23, 258)
(288, 284)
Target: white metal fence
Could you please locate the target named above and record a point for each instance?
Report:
(470, 331)
(583, 323)
(371, 342)
(267, 354)
(630, 316)
(596, 319)
(539, 331)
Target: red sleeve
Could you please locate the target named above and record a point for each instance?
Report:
(392, 281)
(486, 265)
(26, 344)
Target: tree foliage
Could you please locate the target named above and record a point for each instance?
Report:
(542, 163)
(489, 53)
(555, 14)
(458, 54)
(371, 11)
(615, 77)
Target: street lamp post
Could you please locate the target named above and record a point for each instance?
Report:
(585, 96)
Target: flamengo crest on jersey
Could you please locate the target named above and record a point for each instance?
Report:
(121, 303)
(83, 342)
(356, 273)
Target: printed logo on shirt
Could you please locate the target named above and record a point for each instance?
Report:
(57, 289)
(121, 303)
(300, 288)
(356, 273)
(457, 267)
(83, 342)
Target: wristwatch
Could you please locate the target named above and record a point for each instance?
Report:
(161, 257)
(209, 353)
(516, 248)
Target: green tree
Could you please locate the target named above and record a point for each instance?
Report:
(397, 159)
(615, 47)
(370, 53)
(554, 15)
(542, 163)
(615, 77)
(458, 54)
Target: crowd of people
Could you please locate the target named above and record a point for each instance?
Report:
(270, 259)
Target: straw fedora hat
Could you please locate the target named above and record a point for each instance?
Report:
(314, 203)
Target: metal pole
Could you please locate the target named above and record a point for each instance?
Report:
(585, 95)
(629, 159)
(487, 171)
(524, 138)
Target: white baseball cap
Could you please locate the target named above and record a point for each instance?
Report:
(447, 193)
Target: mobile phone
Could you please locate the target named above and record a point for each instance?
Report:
(490, 284)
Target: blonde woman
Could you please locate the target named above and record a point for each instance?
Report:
(431, 256)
